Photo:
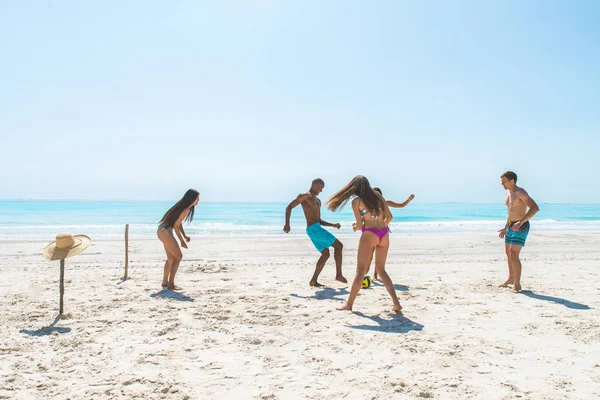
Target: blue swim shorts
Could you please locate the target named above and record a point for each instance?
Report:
(321, 238)
(516, 237)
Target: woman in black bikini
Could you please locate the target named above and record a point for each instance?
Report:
(173, 219)
(372, 217)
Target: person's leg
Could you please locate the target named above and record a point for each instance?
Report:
(515, 251)
(367, 242)
(381, 252)
(320, 264)
(174, 254)
(371, 262)
(172, 251)
(337, 255)
(167, 269)
(174, 268)
(510, 279)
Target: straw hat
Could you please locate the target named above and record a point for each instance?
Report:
(65, 246)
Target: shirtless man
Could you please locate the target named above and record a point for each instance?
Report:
(517, 226)
(321, 238)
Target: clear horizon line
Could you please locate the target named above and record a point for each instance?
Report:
(115, 200)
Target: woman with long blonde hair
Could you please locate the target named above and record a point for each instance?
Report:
(372, 218)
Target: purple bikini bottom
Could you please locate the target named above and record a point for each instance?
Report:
(380, 232)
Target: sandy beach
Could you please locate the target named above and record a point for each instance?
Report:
(247, 325)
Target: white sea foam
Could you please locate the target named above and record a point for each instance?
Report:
(234, 229)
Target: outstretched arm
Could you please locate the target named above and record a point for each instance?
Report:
(289, 208)
(391, 203)
(325, 223)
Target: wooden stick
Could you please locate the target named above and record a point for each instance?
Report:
(126, 253)
(62, 285)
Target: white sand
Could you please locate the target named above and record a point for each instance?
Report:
(248, 325)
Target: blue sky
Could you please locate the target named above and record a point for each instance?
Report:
(250, 100)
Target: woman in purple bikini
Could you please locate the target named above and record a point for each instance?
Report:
(372, 217)
(393, 204)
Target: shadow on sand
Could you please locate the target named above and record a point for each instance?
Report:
(396, 323)
(397, 286)
(557, 300)
(325, 294)
(47, 330)
(171, 294)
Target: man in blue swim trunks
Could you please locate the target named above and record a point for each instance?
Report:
(321, 238)
(517, 226)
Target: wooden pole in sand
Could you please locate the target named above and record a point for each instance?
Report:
(126, 253)
(62, 286)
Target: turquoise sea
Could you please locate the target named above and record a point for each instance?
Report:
(42, 218)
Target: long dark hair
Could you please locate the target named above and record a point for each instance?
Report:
(174, 212)
(359, 187)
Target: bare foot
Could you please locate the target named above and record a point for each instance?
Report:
(505, 284)
(341, 279)
(174, 287)
(375, 277)
(517, 288)
(315, 284)
(345, 307)
(397, 308)
(164, 284)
